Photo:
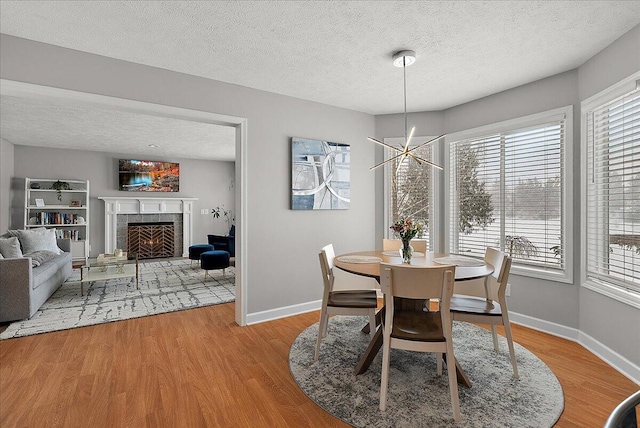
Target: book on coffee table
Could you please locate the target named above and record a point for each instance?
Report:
(110, 258)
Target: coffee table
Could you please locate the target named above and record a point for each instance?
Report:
(108, 266)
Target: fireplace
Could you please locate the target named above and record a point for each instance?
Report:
(120, 211)
(151, 240)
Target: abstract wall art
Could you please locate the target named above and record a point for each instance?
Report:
(320, 175)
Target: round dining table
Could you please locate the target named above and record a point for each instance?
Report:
(367, 263)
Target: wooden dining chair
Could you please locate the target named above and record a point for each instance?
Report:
(419, 245)
(343, 301)
(485, 310)
(407, 326)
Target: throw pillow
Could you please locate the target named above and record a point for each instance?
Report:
(38, 239)
(10, 248)
(14, 232)
(39, 257)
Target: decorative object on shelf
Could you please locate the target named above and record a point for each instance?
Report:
(39, 202)
(117, 252)
(60, 185)
(229, 218)
(320, 175)
(76, 203)
(33, 220)
(406, 230)
(404, 59)
(35, 185)
(80, 220)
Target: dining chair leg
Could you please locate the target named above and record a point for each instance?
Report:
(325, 326)
(372, 323)
(512, 353)
(321, 332)
(384, 382)
(494, 334)
(453, 382)
(439, 363)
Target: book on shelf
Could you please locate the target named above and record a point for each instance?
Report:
(74, 235)
(54, 217)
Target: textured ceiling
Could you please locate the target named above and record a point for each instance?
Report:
(60, 123)
(338, 52)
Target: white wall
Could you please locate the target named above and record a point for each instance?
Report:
(6, 173)
(206, 180)
(283, 245)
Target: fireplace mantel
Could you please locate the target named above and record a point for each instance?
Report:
(114, 205)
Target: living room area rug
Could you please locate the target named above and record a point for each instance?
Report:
(165, 286)
(417, 397)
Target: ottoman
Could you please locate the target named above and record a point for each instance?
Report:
(196, 250)
(216, 259)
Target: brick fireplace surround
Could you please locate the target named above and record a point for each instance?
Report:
(115, 207)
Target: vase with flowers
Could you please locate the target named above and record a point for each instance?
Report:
(406, 230)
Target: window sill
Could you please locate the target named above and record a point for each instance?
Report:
(628, 297)
(557, 276)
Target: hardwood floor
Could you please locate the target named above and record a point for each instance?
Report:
(197, 368)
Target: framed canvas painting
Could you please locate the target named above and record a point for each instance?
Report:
(320, 175)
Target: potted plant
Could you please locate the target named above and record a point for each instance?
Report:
(229, 218)
(60, 185)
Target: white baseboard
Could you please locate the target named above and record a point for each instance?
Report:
(612, 358)
(287, 311)
(615, 360)
(549, 327)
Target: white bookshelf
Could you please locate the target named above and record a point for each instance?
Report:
(66, 210)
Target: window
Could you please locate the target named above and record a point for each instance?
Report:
(507, 189)
(409, 191)
(613, 189)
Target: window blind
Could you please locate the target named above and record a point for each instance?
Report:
(507, 192)
(410, 195)
(613, 192)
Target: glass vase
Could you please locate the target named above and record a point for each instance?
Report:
(406, 251)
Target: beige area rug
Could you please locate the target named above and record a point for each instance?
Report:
(165, 286)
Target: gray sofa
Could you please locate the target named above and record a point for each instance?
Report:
(23, 289)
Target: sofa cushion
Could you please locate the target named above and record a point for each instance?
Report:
(38, 240)
(48, 269)
(39, 257)
(10, 248)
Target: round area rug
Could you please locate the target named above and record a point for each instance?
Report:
(417, 397)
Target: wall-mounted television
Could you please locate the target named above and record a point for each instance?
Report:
(148, 176)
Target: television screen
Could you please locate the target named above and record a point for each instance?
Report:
(148, 176)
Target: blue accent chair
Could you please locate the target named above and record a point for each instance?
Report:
(225, 243)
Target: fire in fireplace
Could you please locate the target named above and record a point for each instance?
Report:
(151, 240)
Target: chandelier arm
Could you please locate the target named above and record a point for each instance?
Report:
(406, 145)
(384, 144)
(425, 161)
(427, 143)
(388, 160)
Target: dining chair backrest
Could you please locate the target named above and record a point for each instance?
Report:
(418, 282)
(502, 266)
(326, 256)
(419, 245)
(330, 254)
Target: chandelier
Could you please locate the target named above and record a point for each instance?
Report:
(404, 59)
